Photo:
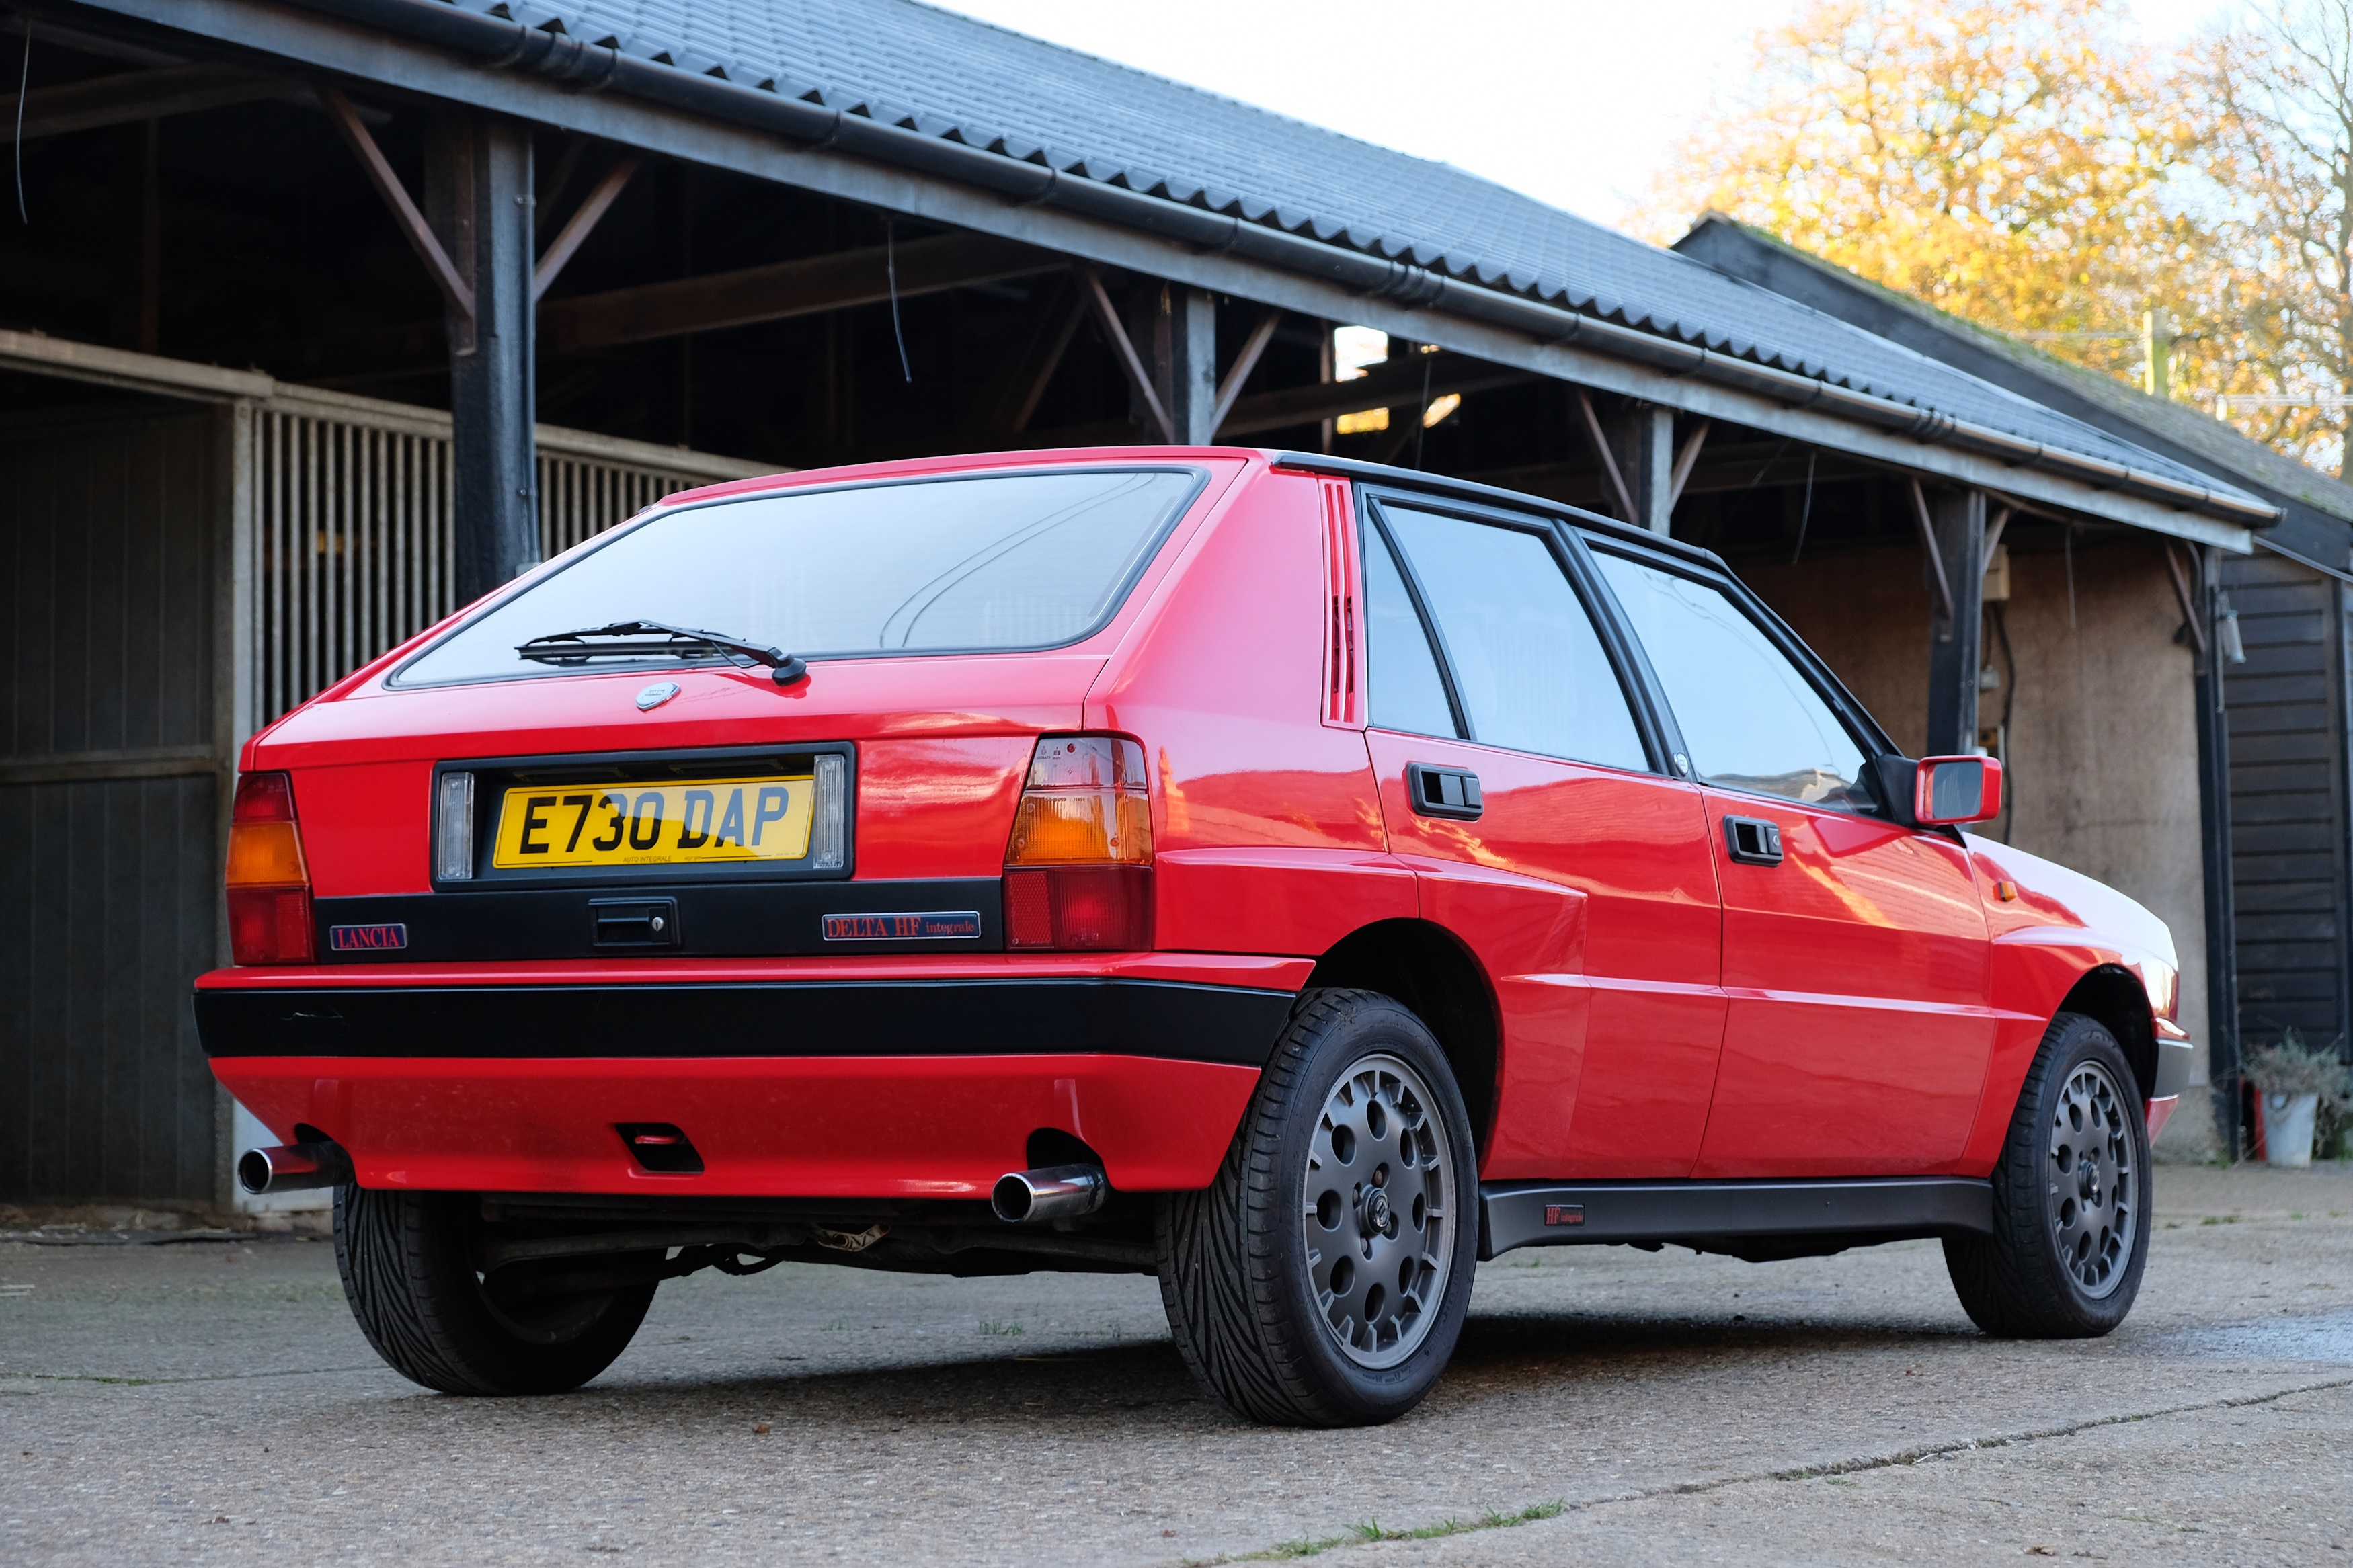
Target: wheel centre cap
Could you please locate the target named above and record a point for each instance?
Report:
(1375, 1211)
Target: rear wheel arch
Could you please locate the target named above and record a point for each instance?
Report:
(2110, 993)
(1426, 969)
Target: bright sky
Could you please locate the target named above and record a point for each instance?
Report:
(1573, 101)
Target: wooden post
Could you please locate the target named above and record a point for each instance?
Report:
(1957, 533)
(1189, 373)
(1642, 438)
(478, 201)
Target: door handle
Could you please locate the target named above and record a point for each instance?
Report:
(1752, 840)
(1444, 792)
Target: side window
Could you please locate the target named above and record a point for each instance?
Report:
(1529, 669)
(1406, 691)
(1751, 718)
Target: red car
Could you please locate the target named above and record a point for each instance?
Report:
(1294, 878)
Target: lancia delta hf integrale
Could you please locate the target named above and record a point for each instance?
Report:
(1292, 878)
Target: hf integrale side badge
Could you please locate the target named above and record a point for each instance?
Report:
(933, 927)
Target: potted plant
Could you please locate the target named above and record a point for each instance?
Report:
(2293, 1081)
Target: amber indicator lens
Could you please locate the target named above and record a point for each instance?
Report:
(1086, 804)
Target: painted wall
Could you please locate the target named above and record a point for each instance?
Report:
(2102, 743)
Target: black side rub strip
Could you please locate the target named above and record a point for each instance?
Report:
(1887, 1208)
(799, 1018)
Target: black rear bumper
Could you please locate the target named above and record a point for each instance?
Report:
(797, 1018)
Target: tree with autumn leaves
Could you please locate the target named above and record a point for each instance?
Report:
(2031, 167)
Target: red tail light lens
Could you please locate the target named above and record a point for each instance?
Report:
(1105, 907)
(1078, 872)
(269, 885)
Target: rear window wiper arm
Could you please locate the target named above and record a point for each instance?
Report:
(644, 639)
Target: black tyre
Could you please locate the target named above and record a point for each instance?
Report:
(408, 1264)
(2071, 1197)
(1322, 1279)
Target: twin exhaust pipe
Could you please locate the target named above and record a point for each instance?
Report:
(1059, 1192)
(291, 1167)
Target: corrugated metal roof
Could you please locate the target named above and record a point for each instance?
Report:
(950, 76)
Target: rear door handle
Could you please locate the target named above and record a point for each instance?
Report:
(1752, 840)
(1444, 792)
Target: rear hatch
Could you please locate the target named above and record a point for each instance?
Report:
(795, 720)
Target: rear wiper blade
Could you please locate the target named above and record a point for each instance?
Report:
(656, 639)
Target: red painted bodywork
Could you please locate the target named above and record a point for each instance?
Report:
(1869, 1007)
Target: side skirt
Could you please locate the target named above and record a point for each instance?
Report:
(1757, 1220)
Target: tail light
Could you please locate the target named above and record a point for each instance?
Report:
(269, 885)
(1078, 873)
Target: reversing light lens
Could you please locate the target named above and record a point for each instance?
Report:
(453, 836)
(268, 884)
(828, 834)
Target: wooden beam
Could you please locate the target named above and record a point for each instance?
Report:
(607, 191)
(130, 96)
(1684, 460)
(1600, 439)
(1123, 348)
(783, 289)
(1395, 384)
(1943, 584)
(1239, 373)
(413, 225)
(2181, 591)
(1013, 402)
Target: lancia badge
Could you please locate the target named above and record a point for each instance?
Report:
(654, 696)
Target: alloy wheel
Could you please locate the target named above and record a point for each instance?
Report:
(2094, 1176)
(1378, 1214)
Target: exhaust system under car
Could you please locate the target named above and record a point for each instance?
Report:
(291, 1167)
(1058, 1192)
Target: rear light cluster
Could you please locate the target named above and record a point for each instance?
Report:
(269, 885)
(1078, 874)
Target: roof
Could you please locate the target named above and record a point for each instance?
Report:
(2218, 447)
(950, 77)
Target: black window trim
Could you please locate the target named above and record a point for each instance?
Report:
(1634, 684)
(1862, 728)
(507, 593)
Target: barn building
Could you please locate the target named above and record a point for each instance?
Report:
(322, 316)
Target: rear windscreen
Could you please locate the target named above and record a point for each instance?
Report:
(971, 563)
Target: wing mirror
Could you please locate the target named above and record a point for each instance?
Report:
(1939, 792)
(1953, 790)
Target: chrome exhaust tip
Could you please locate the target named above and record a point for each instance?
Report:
(291, 1167)
(1059, 1192)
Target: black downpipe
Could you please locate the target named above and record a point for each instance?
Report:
(2214, 821)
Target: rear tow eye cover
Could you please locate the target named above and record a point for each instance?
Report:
(660, 1147)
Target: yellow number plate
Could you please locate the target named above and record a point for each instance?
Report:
(710, 821)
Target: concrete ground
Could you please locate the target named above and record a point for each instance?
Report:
(211, 1399)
